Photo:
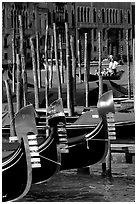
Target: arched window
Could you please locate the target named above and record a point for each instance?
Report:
(94, 15)
(110, 17)
(26, 19)
(88, 14)
(82, 14)
(78, 14)
(121, 16)
(128, 17)
(85, 14)
(113, 15)
(116, 16)
(107, 16)
(103, 16)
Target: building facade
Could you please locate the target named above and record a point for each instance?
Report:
(112, 19)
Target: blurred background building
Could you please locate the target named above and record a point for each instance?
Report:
(113, 19)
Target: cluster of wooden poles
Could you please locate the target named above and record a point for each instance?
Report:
(21, 74)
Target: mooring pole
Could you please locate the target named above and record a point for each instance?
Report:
(37, 50)
(35, 76)
(10, 104)
(79, 61)
(38, 60)
(18, 88)
(61, 60)
(73, 67)
(99, 66)
(13, 60)
(134, 69)
(57, 64)
(86, 72)
(70, 105)
(51, 63)
(24, 74)
(128, 65)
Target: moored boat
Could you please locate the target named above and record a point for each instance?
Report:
(17, 163)
(94, 77)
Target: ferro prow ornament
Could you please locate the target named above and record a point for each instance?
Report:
(17, 164)
(88, 147)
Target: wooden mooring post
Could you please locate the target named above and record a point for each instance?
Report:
(73, 68)
(70, 104)
(128, 65)
(23, 63)
(61, 60)
(13, 60)
(18, 84)
(51, 63)
(79, 61)
(99, 66)
(10, 104)
(57, 64)
(46, 79)
(86, 72)
(35, 76)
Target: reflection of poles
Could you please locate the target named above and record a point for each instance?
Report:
(35, 77)
(99, 66)
(79, 64)
(57, 64)
(69, 75)
(22, 61)
(73, 67)
(86, 71)
(128, 65)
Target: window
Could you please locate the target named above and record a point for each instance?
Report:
(5, 56)
(121, 34)
(103, 16)
(88, 13)
(107, 16)
(110, 17)
(78, 14)
(3, 17)
(121, 16)
(94, 15)
(104, 31)
(116, 16)
(95, 48)
(95, 33)
(85, 14)
(5, 43)
(82, 14)
(128, 17)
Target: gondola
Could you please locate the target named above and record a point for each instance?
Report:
(48, 148)
(88, 147)
(94, 77)
(17, 165)
(85, 146)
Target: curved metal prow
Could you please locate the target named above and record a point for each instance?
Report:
(106, 104)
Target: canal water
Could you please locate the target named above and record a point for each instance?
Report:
(69, 186)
